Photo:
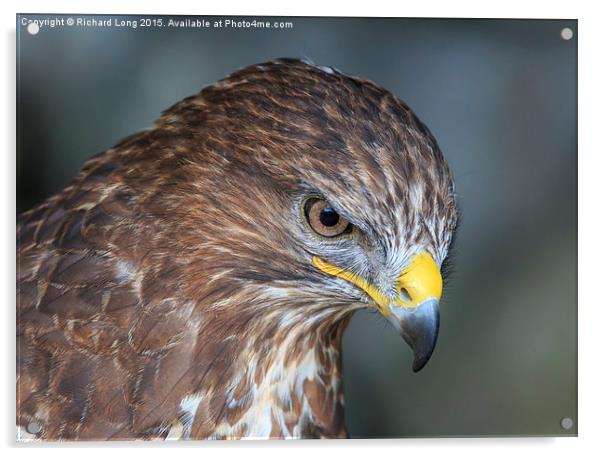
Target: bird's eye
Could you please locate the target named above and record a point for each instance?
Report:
(324, 220)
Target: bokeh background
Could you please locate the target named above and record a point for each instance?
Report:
(500, 97)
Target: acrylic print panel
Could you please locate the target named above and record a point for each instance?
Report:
(219, 263)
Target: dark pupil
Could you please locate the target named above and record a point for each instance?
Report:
(329, 217)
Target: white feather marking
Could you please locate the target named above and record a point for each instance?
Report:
(188, 407)
(124, 271)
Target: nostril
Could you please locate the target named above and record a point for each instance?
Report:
(405, 295)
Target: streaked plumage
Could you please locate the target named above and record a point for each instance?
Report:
(172, 290)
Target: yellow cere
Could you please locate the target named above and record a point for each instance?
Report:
(420, 281)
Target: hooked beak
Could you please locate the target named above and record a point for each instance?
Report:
(415, 311)
(419, 327)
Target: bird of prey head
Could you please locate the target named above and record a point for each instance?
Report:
(195, 280)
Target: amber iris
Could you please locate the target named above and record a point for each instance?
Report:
(324, 219)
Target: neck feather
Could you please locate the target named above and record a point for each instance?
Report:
(287, 384)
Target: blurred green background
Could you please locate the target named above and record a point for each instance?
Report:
(499, 95)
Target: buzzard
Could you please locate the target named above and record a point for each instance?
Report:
(195, 281)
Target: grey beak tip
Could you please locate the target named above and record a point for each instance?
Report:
(418, 364)
(420, 361)
(420, 328)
